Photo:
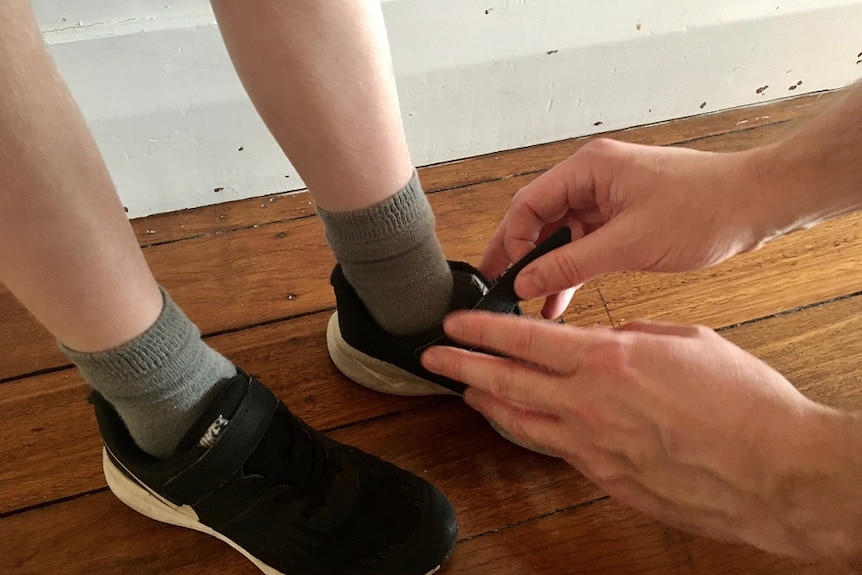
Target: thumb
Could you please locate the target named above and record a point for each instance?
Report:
(600, 252)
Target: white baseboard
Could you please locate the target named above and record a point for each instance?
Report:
(174, 124)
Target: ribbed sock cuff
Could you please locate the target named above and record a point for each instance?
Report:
(390, 255)
(161, 381)
(381, 231)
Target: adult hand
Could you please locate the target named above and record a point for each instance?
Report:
(630, 207)
(673, 420)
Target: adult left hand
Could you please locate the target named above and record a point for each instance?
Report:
(673, 420)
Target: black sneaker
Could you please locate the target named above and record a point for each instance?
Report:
(288, 498)
(370, 356)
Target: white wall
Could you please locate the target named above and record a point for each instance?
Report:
(174, 124)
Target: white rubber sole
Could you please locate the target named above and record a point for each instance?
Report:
(384, 377)
(155, 507)
(374, 373)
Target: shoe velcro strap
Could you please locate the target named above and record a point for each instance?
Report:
(501, 298)
(234, 446)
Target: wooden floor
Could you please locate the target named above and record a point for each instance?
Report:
(254, 276)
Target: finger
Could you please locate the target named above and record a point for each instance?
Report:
(661, 328)
(603, 251)
(542, 202)
(556, 304)
(503, 249)
(506, 379)
(557, 348)
(529, 427)
(496, 260)
(570, 185)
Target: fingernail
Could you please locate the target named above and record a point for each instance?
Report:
(430, 359)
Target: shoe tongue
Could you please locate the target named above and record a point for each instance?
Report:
(206, 431)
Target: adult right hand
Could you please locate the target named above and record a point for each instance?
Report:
(630, 207)
(673, 420)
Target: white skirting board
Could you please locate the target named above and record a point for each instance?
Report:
(177, 130)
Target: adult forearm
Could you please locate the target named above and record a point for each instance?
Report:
(814, 174)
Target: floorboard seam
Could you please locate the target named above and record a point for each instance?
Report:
(739, 131)
(44, 504)
(433, 401)
(605, 305)
(46, 371)
(540, 517)
(789, 311)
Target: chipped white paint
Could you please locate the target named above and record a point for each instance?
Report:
(174, 124)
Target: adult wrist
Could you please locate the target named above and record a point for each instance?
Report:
(813, 174)
(778, 197)
(818, 491)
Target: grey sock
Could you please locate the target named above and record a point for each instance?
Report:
(161, 382)
(392, 258)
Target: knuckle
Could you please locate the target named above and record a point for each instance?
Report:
(616, 355)
(501, 387)
(605, 471)
(519, 429)
(465, 373)
(672, 444)
(462, 368)
(588, 415)
(600, 147)
(455, 369)
(520, 196)
(568, 268)
(479, 335)
(702, 331)
(525, 340)
(521, 204)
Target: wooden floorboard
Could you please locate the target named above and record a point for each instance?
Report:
(40, 412)
(799, 269)
(818, 349)
(494, 485)
(607, 538)
(256, 280)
